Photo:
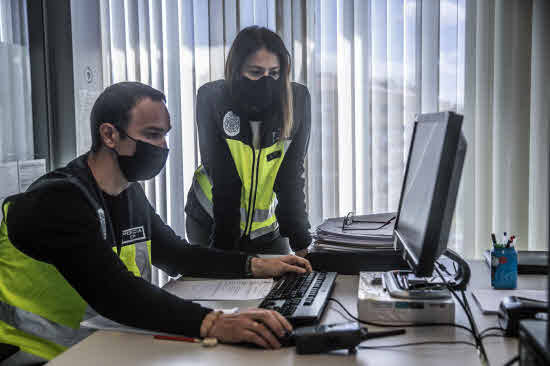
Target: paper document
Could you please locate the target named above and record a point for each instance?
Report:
(489, 300)
(101, 323)
(9, 182)
(239, 289)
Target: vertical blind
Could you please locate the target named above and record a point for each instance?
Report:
(370, 66)
(16, 129)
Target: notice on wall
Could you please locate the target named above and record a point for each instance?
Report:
(29, 171)
(9, 180)
(84, 104)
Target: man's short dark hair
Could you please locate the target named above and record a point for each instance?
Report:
(114, 106)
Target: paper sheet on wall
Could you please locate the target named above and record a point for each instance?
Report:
(9, 180)
(29, 171)
(236, 289)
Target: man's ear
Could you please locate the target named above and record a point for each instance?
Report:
(109, 135)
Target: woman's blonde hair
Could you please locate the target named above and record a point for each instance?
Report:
(248, 41)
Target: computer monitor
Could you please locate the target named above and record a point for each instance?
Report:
(429, 191)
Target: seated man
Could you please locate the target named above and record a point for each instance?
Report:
(82, 239)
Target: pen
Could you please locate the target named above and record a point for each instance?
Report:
(494, 238)
(207, 342)
(510, 241)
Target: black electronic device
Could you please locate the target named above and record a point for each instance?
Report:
(331, 337)
(325, 338)
(429, 190)
(512, 309)
(351, 263)
(534, 343)
(301, 298)
(426, 206)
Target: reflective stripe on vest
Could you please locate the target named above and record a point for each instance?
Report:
(137, 258)
(41, 327)
(263, 220)
(39, 310)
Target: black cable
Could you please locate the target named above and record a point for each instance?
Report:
(417, 344)
(512, 361)
(492, 335)
(474, 326)
(489, 329)
(464, 307)
(471, 320)
(444, 269)
(469, 309)
(400, 325)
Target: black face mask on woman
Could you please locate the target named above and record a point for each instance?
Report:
(147, 161)
(256, 98)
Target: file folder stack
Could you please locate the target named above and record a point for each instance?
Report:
(362, 243)
(364, 233)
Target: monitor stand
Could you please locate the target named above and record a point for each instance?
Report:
(405, 285)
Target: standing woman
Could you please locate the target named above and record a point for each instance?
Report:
(254, 129)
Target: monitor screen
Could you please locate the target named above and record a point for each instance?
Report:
(430, 186)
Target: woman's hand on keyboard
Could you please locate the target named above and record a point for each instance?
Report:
(259, 326)
(275, 267)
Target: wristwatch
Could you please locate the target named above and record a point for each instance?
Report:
(248, 266)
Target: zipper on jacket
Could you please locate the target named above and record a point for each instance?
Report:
(253, 190)
(248, 212)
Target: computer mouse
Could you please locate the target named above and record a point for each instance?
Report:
(512, 309)
(286, 341)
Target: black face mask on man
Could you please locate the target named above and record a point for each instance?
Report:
(256, 98)
(147, 161)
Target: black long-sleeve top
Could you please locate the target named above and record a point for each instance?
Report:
(58, 226)
(213, 104)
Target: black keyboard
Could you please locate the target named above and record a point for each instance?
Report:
(301, 298)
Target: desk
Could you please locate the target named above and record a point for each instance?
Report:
(114, 348)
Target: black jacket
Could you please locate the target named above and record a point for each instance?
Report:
(58, 224)
(213, 102)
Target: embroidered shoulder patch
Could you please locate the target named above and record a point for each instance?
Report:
(231, 124)
(133, 234)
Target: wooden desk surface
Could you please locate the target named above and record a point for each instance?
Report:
(115, 348)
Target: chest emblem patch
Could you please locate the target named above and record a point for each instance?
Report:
(231, 124)
(133, 234)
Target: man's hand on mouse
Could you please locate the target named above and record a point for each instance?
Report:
(259, 326)
(275, 267)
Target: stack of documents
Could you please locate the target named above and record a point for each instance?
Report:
(359, 236)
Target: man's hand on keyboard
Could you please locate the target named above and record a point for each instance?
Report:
(258, 326)
(275, 267)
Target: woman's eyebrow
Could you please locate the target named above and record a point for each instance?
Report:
(255, 67)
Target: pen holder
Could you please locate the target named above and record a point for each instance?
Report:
(504, 268)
